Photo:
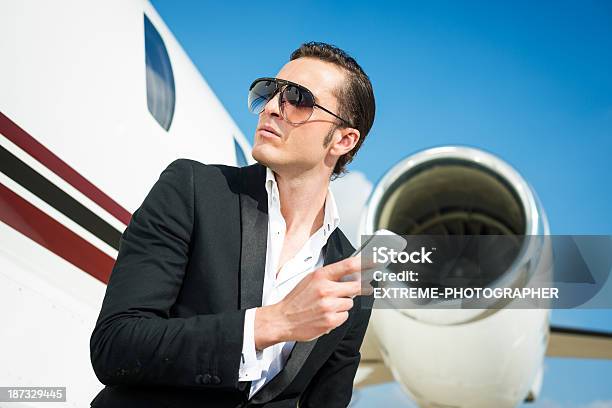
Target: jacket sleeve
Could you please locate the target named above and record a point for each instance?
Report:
(135, 341)
(336, 375)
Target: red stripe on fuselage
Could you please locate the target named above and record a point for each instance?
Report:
(30, 145)
(47, 232)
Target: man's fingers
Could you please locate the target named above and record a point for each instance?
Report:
(367, 276)
(342, 268)
(345, 285)
(345, 267)
(340, 304)
(367, 290)
(341, 318)
(345, 289)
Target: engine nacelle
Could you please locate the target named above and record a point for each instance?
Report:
(463, 357)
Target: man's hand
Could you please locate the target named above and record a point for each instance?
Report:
(317, 305)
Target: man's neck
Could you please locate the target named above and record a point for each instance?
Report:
(302, 199)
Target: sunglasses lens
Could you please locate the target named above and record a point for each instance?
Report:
(261, 92)
(296, 104)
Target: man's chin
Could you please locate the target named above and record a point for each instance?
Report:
(264, 155)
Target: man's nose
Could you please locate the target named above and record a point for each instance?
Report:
(271, 107)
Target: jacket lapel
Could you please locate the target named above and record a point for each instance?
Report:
(254, 235)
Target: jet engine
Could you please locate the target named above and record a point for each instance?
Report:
(447, 356)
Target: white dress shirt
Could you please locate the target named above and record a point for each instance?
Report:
(261, 366)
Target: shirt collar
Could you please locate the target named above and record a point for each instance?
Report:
(331, 218)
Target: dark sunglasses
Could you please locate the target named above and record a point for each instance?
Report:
(295, 102)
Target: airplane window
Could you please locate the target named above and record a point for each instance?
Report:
(160, 80)
(240, 157)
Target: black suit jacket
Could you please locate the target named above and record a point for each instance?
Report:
(190, 262)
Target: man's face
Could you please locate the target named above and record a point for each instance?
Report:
(300, 147)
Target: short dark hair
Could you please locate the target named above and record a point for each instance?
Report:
(355, 98)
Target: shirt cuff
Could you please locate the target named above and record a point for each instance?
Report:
(249, 362)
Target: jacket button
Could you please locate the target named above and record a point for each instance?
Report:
(206, 379)
(216, 380)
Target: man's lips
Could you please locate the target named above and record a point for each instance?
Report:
(268, 131)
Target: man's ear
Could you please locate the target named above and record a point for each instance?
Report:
(345, 141)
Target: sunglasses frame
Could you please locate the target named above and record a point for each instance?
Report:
(281, 84)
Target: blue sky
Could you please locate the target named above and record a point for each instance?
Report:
(528, 81)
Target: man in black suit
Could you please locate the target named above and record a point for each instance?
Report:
(211, 302)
